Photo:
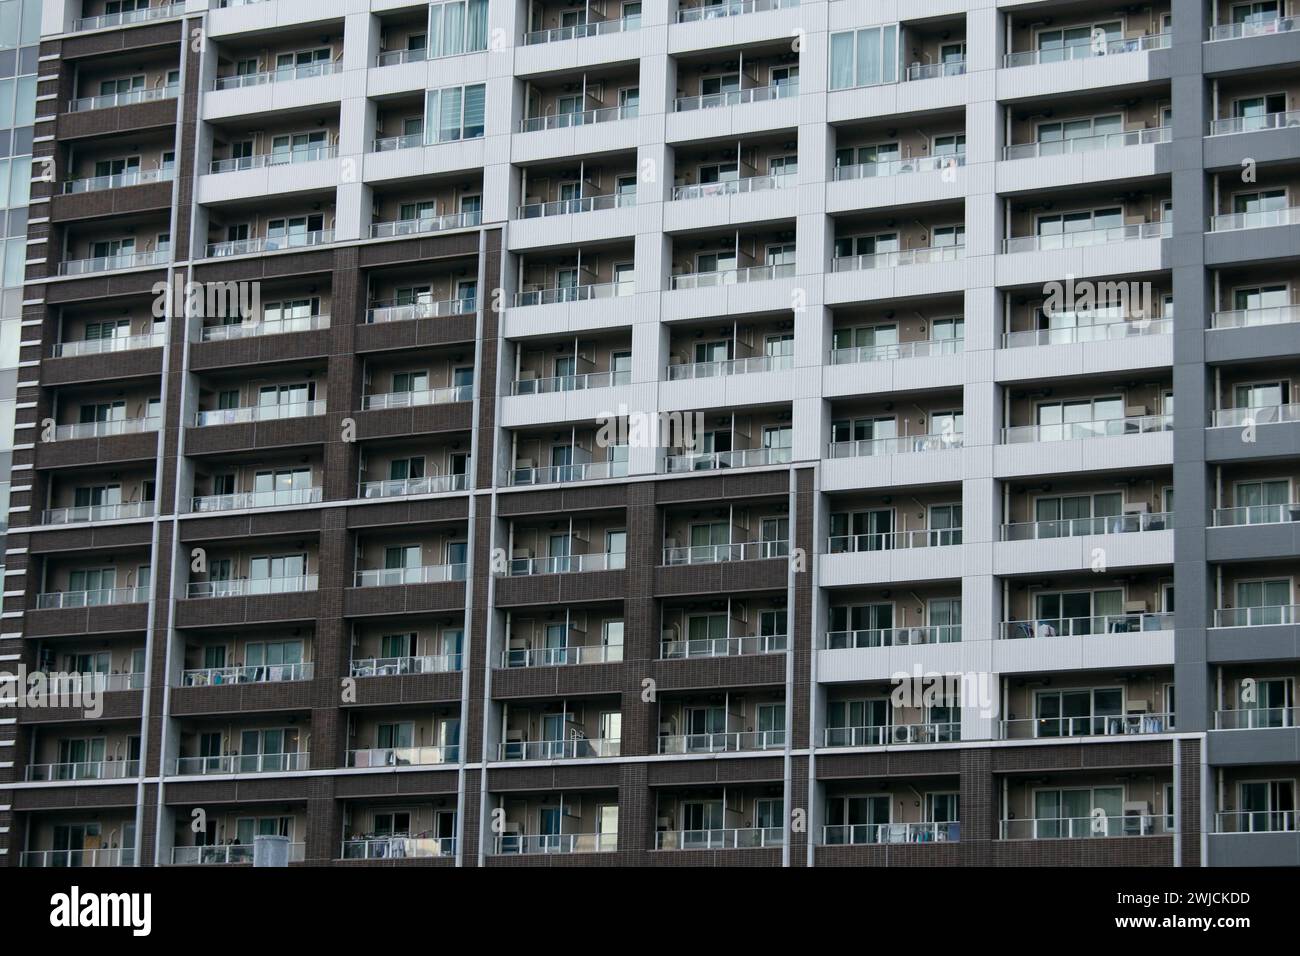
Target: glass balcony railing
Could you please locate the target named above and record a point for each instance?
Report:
(729, 742)
(130, 177)
(259, 413)
(424, 574)
(741, 366)
(280, 498)
(1256, 415)
(1098, 428)
(422, 224)
(930, 71)
(107, 429)
(1080, 626)
(672, 648)
(290, 240)
(571, 748)
(398, 847)
(568, 207)
(1264, 218)
(1256, 821)
(114, 512)
(403, 756)
(76, 685)
(717, 460)
(1074, 527)
(97, 598)
(1256, 25)
(300, 71)
(735, 187)
(887, 735)
(240, 763)
(117, 343)
(1246, 318)
(594, 28)
(399, 666)
(417, 397)
(1113, 330)
(569, 563)
(244, 587)
(557, 656)
(1088, 237)
(299, 154)
(903, 257)
(248, 674)
(125, 98)
(250, 328)
(1257, 718)
(526, 844)
(860, 834)
(609, 114)
(1097, 725)
(125, 260)
(898, 445)
(1080, 828)
(716, 553)
(755, 94)
(926, 348)
(397, 57)
(1258, 121)
(892, 637)
(1088, 144)
(1260, 616)
(718, 9)
(1256, 514)
(228, 853)
(1089, 49)
(401, 487)
(708, 280)
(84, 770)
(127, 17)
(574, 293)
(893, 540)
(570, 383)
(737, 839)
(899, 167)
(559, 474)
(115, 856)
(394, 311)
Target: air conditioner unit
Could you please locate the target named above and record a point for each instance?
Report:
(901, 734)
(1137, 508)
(1135, 607)
(1135, 411)
(1137, 707)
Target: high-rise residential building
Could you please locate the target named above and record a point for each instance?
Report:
(490, 432)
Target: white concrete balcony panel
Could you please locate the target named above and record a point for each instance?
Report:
(581, 139)
(739, 120)
(1121, 453)
(418, 75)
(1079, 552)
(891, 565)
(763, 205)
(259, 17)
(581, 405)
(523, 321)
(285, 95)
(860, 664)
(1123, 258)
(1084, 358)
(278, 180)
(728, 391)
(887, 99)
(879, 471)
(926, 278)
(896, 375)
(1067, 76)
(454, 156)
(579, 53)
(739, 298)
(697, 30)
(573, 228)
(1085, 652)
(1089, 166)
(878, 192)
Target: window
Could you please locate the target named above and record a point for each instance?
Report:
(1073, 135)
(1065, 44)
(454, 112)
(1075, 713)
(864, 57)
(1070, 813)
(281, 487)
(457, 26)
(881, 244)
(277, 574)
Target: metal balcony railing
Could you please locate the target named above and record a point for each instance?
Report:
(284, 497)
(401, 487)
(397, 57)
(893, 540)
(1257, 718)
(228, 853)
(594, 28)
(1107, 725)
(858, 834)
(557, 656)
(1105, 331)
(574, 293)
(84, 513)
(1098, 428)
(740, 646)
(1260, 616)
(1243, 318)
(568, 207)
(1089, 49)
(741, 366)
(1080, 626)
(888, 735)
(295, 240)
(127, 260)
(1232, 221)
(729, 742)
(403, 756)
(1249, 124)
(571, 748)
(259, 413)
(898, 445)
(422, 224)
(244, 587)
(248, 674)
(125, 98)
(115, 856)
(392, 311)
(300, 71)
(1087, 144)
(755, 94)
(1256, 514)
(395, 577)
(240, 763)
(899, 167)
(903, 257)
(398, 666)
(716, 553)
(730, 8)
(929, 71)
(418, 397)
(569, 563)
(716, 460)
(84, 770)
(1254, 26)
(127, 17)
(118, 343)
(529, 844)
(893, 637)
(1088, 237)
(927, 348)
(398, 847)
(1256, 821)
(97, 598)
(708, 280)
(560, 474)
(608, 114)
(1080, 828)
(1258, 415)
(1074, 527)
(257, 326)
(79, 684)
(735, 187)
(570, 383)
(107, 429)
(299, 154)
(735, 839)
(131, 177)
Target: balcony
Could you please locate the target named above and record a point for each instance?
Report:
(84, 770)
(867, 834)
(301, 71)
(562, 474)
(400, 666)
(256, 326)
(756, 94)
(609, 114)
(530, 844)
(86, 513)
(714, 10)
(734, 839)
(1107, 331)
(574, 293)
(417, 397)
(1262, 616)
(295, 240)
(1082, 626)
(888, 735)
(904, 257)
(709, 280)
(717, 460)
(593, 28)
(1113, 725)
(1256, 514)
(1256, 821)
(1088, 237)
(129, 260)
(394, 311)
(735, 187)
(893, 540)
(568, 564)
(570, 383)
(125, 98)
(375, 757)
(1257, 718)
(558, 656)
(1256, 25)
(924, 348)
(132, 177)
(78, 685)
(1098, 428)
(286, 497)
(1260, 415)
(568, 749)
(259, 413)
(423, 574)
(742, 366)
(116, 856)
(240, 763)
(892, 637)
(119, 343)
(1078, 828)
(731, 742)
(739, 646)
(402, 487)
(1086, 50)
(246, 587)
(298, 154)
(226, 853)
(1249, 124)
(398, 847)
(1251, 318)
(255, 674)
(106, 429)
(899, 445)
(716, 553)
(97, 598)
(1264, 218)
(424, 224)
(1075, 527)
(899, 167)
(1088, 144)
(568, 207)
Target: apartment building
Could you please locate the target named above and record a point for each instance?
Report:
(384, 558)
